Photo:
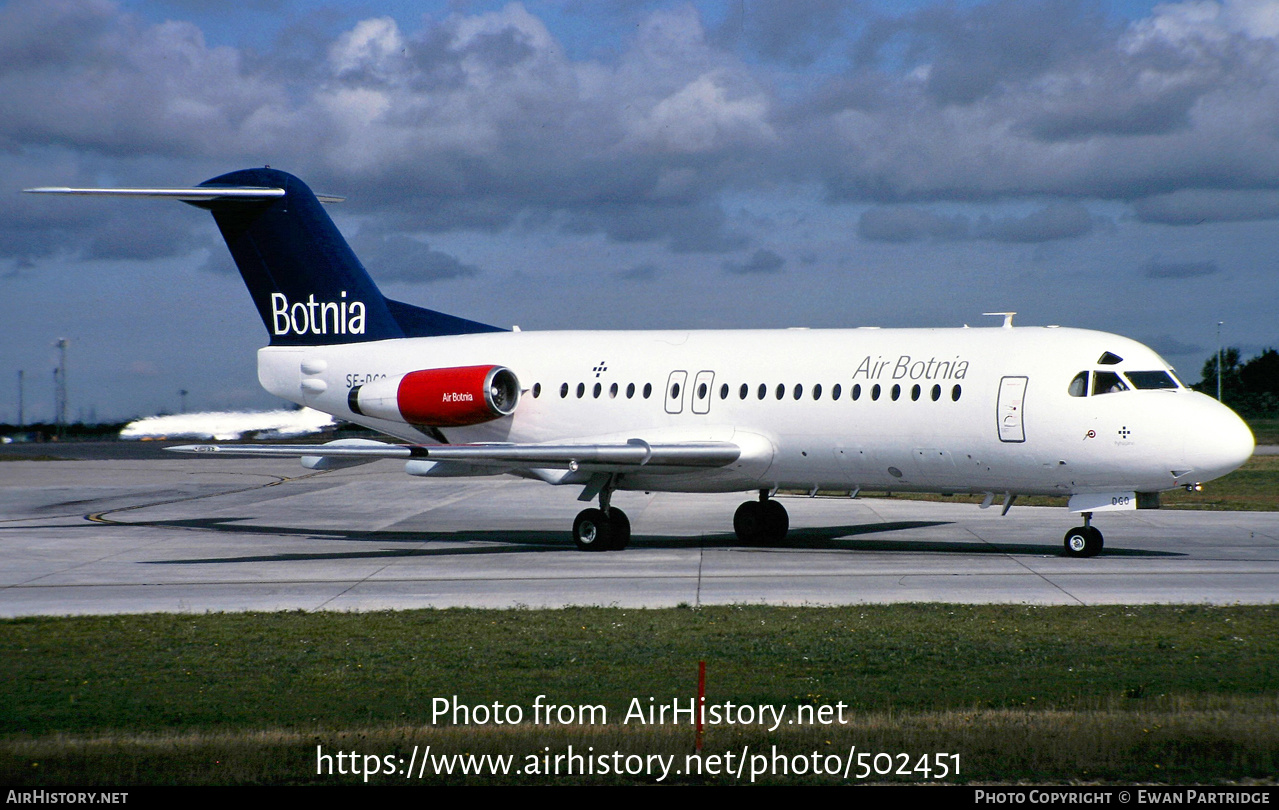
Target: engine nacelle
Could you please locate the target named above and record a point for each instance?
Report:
(439, 397)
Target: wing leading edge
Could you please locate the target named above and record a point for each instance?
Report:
(633, 454)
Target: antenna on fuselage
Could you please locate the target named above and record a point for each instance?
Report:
(1008, 318)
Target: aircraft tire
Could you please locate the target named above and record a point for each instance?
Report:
(1083, 541)
(776, 522)
(620, 527)
(748, 523)
(592, 531)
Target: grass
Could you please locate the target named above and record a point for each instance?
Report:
(1111, 693)
(1265, 431)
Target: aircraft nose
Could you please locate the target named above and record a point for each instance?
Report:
(1219, 443)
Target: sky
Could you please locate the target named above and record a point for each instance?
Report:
(632, 165)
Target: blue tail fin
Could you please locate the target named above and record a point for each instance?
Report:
(308, 286)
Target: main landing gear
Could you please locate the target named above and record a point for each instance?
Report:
(1085, 540)
(604, 529)
(763, 522)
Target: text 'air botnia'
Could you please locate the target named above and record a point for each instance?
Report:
(650, 712)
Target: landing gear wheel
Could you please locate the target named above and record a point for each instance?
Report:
(761, 522)
(620, 525)
(593, 531)
(748, 522)
(1083, 541)
(776, 522)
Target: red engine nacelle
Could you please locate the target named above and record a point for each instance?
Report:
(440, 397)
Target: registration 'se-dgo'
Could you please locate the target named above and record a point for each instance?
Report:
(1003, 411)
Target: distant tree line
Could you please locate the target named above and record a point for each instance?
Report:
(1251, 388)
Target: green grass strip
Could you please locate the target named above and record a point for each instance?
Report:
(1160, 693)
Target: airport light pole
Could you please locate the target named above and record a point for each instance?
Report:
(1219, 323)
(60, 387)
(21, 414)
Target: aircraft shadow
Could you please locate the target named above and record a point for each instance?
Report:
(827, 538)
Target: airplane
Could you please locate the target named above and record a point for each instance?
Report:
(1000, 411)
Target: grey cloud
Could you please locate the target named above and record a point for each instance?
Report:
(1194, 206)
(481, 121)
(1062, 221)
(1118, 112)
(1159, 269)
(762, 261)
(971, 53)
(908, 224)
(640, 272)
(396, 257)
(1169, 346)
(796, 32)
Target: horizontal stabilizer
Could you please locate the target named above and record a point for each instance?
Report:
(198, 194)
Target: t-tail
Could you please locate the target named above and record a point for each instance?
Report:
(308, 286)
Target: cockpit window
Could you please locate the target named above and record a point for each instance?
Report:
(1079, 385)
(1109, 359)
(1142, 380)
(1107, 382)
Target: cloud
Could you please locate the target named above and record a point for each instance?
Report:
(910, 225)
(907, 224)
(1196, 206)
(397, 257)
(483, 120)
(640, 272)
(762, 261)
(1169, 346)
(1160, 269)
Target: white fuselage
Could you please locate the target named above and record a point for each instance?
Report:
(975, 410)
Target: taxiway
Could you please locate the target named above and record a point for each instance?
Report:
(122, 535)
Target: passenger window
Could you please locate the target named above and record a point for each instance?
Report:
(537, 390)
(630, 390)
(817, 391)
(897, 392)
(723, 391)
(763, 390)
(955, 392)
(1079, 385)
(648, 390)
(835, 391)
(563, 390)
(781, 390)
(936, 392)
(799, 391)
(596, 391)
(743, 391)
(914, 393)
(612, 391)
(581, 389)
(857, 391)
(1107, 382)
(701, 391)
(874, 392)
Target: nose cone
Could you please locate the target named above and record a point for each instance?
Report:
(1218, 442)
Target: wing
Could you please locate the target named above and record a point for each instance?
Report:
(609, 457)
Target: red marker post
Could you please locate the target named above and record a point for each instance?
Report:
(701, 701)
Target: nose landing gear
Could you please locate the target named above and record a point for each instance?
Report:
(1085, 540)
